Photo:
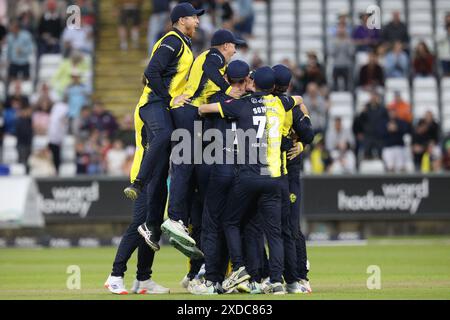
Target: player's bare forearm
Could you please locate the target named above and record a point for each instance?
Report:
(209, 108)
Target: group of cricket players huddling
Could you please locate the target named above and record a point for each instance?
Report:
(221, 214)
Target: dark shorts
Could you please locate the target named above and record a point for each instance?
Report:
(15, 70)
(130, 15)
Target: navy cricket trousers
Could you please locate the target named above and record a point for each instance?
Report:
(295, 194)
(213, 239)
(290, 252)
(248, 189)
(132, 239)
(181, 173)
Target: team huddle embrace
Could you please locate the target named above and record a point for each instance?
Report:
(230, 140)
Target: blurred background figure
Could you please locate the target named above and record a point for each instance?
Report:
(394, 152)
(129, 13)
(158, 19)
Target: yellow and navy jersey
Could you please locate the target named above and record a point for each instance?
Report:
(298, 122)
(206, 77)
(168, 70)
(260, 117)
(166, 77)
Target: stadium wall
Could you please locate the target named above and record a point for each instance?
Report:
(91, 211)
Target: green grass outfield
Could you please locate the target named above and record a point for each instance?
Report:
(410, 269)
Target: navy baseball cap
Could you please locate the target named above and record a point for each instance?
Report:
(238, 69)
(222, 36)
(282, 75)
(264, 78)
(184, 9)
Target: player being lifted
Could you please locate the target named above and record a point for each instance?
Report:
(165, 79)
(205, 79)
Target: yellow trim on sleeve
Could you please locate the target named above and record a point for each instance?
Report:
(220, 110)
(229, 90)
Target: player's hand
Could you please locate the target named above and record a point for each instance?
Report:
(236, 93)
(180, 100)
(295, 151)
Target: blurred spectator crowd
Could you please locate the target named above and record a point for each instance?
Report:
(49, 122)
(381, 131)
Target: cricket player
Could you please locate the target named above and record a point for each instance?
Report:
(205, 79)
(258, 179)
(298, 123)
(166, 78)
(220, 182)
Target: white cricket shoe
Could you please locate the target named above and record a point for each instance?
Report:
(115, 285)
(178, 231)
(296, 287)
(274, 288)
(205, 288)
(305, 283)
(148, 287)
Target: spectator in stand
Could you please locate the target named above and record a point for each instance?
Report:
(76, 96)
(41, 117)
(318, 107)
(319, 157)
(126, 169)
(343, 159)
(394, 151)
(342, 52)
(223, 10)
(57, 130)
(126, 131)
(312, 71)
(342, 22)
(50, 29)
(20, 49)
(10, 114)
(40, 163)
(245, 18)
(337, 135)
(396, 62)
(81, 157)
(129, 12)
(446, 157)
(371, 74)
(3, 33)
(423, 61)
(401, 108)
(24, 134)
(78, 39)
(368, 127)
(443, 49)
(27, 21)
(63, 76)
(365, 39)
(87, 11)
(256, 62)
(103, 120)
(432, 158)
(44, 93)
(426, 130)
(17, 93)
(34, 8)
(395, 31)
(157, 21)
(115, 159)
(83, 125)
